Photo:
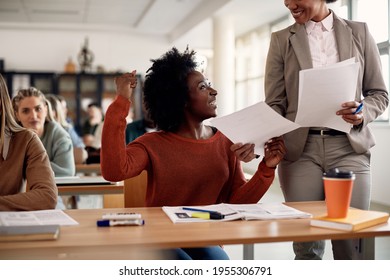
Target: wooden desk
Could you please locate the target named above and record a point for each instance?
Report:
(88, 168)
(86, 241)
(91, 189)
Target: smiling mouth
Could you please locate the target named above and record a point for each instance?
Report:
(213, 103)
(296, 14)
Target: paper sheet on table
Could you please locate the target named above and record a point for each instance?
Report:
(255, 124)
(39, 217)
(322, 91)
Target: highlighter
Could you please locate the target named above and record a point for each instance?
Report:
(208, 216)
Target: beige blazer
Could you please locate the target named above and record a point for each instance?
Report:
(289, 53)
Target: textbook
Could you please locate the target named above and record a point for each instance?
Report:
(229, 212)
(356, 219)
(29, 233)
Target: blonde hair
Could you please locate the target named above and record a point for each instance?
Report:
(32, 92)
(58, 111)
(8, 123)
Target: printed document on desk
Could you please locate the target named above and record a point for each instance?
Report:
(32, 218)
(322, 90)
(255, 124)
(256, 211)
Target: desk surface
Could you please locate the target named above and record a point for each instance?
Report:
(88, 168)
(91, 189)
(90, 242)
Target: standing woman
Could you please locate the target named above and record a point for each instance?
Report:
(33, 111)
(187, 161)
(22, 158)
(319, 38)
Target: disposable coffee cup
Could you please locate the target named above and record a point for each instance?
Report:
(338, 191)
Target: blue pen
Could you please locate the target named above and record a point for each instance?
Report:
(359, 109)
(200, 210)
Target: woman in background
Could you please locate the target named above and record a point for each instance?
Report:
(79, 152)
(33, 111)
(22, 158)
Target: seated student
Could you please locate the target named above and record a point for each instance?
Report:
(64, 106)
(33, 111)
(188, 162)
(95, 118)
(139, 127)
(79, 151)
(22, 158)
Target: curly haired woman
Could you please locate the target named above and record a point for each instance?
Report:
(187, 161)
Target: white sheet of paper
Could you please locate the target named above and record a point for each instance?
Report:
(322, 91)
(39, 217)
(255, 124)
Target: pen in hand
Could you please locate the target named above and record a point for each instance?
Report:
(358, 109)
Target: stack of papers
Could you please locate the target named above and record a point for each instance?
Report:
(258, 211)
(322, 90)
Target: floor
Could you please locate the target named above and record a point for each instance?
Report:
(283, 250)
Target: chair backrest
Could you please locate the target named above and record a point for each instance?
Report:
(135, 190)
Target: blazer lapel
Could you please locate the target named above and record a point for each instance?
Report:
(343, 34)
(300, 44)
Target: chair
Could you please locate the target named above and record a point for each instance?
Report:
(135, 190)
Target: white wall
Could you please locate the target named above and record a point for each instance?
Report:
(47, 50)
(380, 155)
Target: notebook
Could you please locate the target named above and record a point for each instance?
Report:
(87, 180)
(29, 233)
(356, 220)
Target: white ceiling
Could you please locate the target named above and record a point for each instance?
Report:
(172, 19)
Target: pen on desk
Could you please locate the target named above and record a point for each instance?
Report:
(199, 210)
(358, 109)
(112, 223)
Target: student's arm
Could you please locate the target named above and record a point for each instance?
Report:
(118, 161)
(254, 189)
(41, 188)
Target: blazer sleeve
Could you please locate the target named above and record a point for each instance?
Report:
(373, 86)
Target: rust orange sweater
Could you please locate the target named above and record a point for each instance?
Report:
(181, 171)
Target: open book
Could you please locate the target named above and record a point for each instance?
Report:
(258, 211)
